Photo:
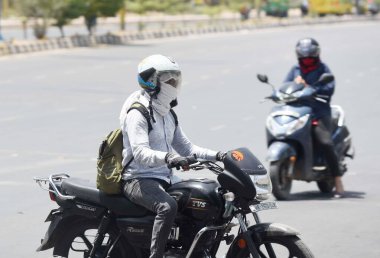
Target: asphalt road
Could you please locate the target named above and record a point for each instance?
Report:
(56, 107)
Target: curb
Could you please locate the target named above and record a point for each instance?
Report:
(124, 38)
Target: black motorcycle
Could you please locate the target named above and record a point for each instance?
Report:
(99, 225)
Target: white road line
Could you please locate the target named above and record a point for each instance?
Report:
(217, 128)
(205, 77)
(40, 77)
(11, 118)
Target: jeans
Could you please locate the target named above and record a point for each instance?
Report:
(150, 193)
(322, 133)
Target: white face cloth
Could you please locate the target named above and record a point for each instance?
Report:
(166, 95)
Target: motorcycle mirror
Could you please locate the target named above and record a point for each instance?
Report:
(263, 78)
(326, 78)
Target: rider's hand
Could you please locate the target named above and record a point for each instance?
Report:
(176, 161)
(300, 80)
(220, 156)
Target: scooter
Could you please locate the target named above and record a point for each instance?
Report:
(293, 153)
(93, 224)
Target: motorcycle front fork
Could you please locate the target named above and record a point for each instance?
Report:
(248, 238)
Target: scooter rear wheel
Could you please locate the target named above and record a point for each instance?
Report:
(281, 182)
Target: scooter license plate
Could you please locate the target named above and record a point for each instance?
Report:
(263, 206)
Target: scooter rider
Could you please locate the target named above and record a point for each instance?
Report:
(307, 72)
(148, 175)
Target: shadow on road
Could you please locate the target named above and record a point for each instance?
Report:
(316, 195)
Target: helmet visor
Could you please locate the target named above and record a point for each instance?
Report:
(173, 78)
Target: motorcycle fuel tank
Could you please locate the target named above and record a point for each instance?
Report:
(198, 198)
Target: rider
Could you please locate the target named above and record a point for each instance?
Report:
(307, 72)
(148, 175)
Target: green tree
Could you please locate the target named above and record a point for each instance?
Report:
(96, 8)
(64, 11)
(39, 12)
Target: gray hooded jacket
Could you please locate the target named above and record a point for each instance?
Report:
(149, 150)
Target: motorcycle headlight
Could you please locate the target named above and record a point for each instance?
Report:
(296, 124)
(263, 186)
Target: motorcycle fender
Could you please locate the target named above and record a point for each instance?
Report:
(260, 231)
(55, 217)
(280, 150)
(59, 222)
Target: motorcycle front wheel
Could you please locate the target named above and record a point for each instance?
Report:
(283, 247)
(281, 182)
(77, 241)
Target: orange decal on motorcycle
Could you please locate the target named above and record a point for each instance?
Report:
(237, 155)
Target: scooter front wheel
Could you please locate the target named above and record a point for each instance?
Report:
(281, 181)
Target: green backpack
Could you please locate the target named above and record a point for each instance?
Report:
(109, 164)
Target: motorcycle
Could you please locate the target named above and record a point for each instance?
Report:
(293, 152)
(94, 224)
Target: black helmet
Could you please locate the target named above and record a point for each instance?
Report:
(307, 47)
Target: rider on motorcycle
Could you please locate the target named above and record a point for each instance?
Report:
(147, 176)
(307, 72)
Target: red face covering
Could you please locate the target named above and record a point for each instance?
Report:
(308, 64)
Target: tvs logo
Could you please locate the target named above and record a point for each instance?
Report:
(197, 204)
(237, 155)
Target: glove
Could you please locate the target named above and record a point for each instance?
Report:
(176, 161)
(220, 156)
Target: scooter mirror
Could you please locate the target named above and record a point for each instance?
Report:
(326, 78)
(263, 78)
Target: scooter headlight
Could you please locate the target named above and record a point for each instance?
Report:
(296, 124)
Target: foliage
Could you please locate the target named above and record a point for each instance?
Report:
(165, 6)
(96, 8)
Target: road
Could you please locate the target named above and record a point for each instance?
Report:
(56, 107)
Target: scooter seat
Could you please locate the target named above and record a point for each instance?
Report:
(86, 190)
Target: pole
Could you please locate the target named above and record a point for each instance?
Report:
(1, 12)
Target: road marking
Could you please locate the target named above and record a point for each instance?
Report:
(247, 118)
(9, 81)
(40, 77)
(12, 183)
(106, 101)
(217, 128)
(11, 118)
(68, 72)
(205, 77)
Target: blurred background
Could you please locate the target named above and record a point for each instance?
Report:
(29, 19)
(57, 106)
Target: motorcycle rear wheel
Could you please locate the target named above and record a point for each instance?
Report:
(80, 236)
(281, 183)
(283, 246)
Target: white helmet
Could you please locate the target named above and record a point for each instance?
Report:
(150, 69)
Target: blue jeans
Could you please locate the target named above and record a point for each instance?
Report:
(150, 193)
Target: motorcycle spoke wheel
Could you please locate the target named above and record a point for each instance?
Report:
(283, 247)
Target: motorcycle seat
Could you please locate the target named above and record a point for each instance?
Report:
(86, 190)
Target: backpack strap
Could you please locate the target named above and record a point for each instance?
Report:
(175, 117)
(144, 111)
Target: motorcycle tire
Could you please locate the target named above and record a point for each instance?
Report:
(326, 186)
(78, 235)
(283, 246)
(281, 183)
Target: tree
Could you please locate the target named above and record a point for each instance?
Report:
(96, 8)
(38, 10)
(64, 11)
